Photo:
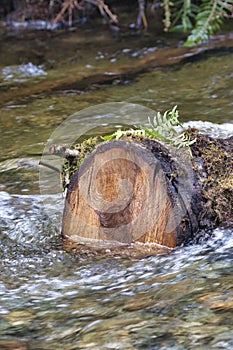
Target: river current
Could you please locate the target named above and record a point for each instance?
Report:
(51, 299)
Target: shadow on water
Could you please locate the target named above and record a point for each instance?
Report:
(51, 299)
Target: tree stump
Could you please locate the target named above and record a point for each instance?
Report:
(132, 191)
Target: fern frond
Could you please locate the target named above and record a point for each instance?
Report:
(164, 124)
(183, 15)
(209, 19)
(162, 128)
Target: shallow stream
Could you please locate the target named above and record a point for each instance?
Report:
(53, 300)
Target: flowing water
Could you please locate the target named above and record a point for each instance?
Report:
(51, 299)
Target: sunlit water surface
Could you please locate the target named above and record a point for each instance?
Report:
(53, 300)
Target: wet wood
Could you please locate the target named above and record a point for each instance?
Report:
(122, 193)
(144, 193)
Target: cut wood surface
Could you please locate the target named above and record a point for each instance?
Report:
(130, 191)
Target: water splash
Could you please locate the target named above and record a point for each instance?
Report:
(22, 72)
(212, 129)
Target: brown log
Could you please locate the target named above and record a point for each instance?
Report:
(132, 192)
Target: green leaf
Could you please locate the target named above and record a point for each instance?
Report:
(200, 20)
(209, 19)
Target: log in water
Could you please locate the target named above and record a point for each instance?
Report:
(141, 190)
(120, 193)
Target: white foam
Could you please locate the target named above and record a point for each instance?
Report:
(20, 72)
(214, 130)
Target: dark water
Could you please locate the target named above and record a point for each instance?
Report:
(53, 300)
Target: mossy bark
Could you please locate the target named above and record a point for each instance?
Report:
(213, 164)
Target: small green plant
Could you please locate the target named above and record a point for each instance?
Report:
(162, 128)
(199, 19)
(209, 19)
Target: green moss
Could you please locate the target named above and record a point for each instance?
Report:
(162, 128)
(213, 162)
(72, 164)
